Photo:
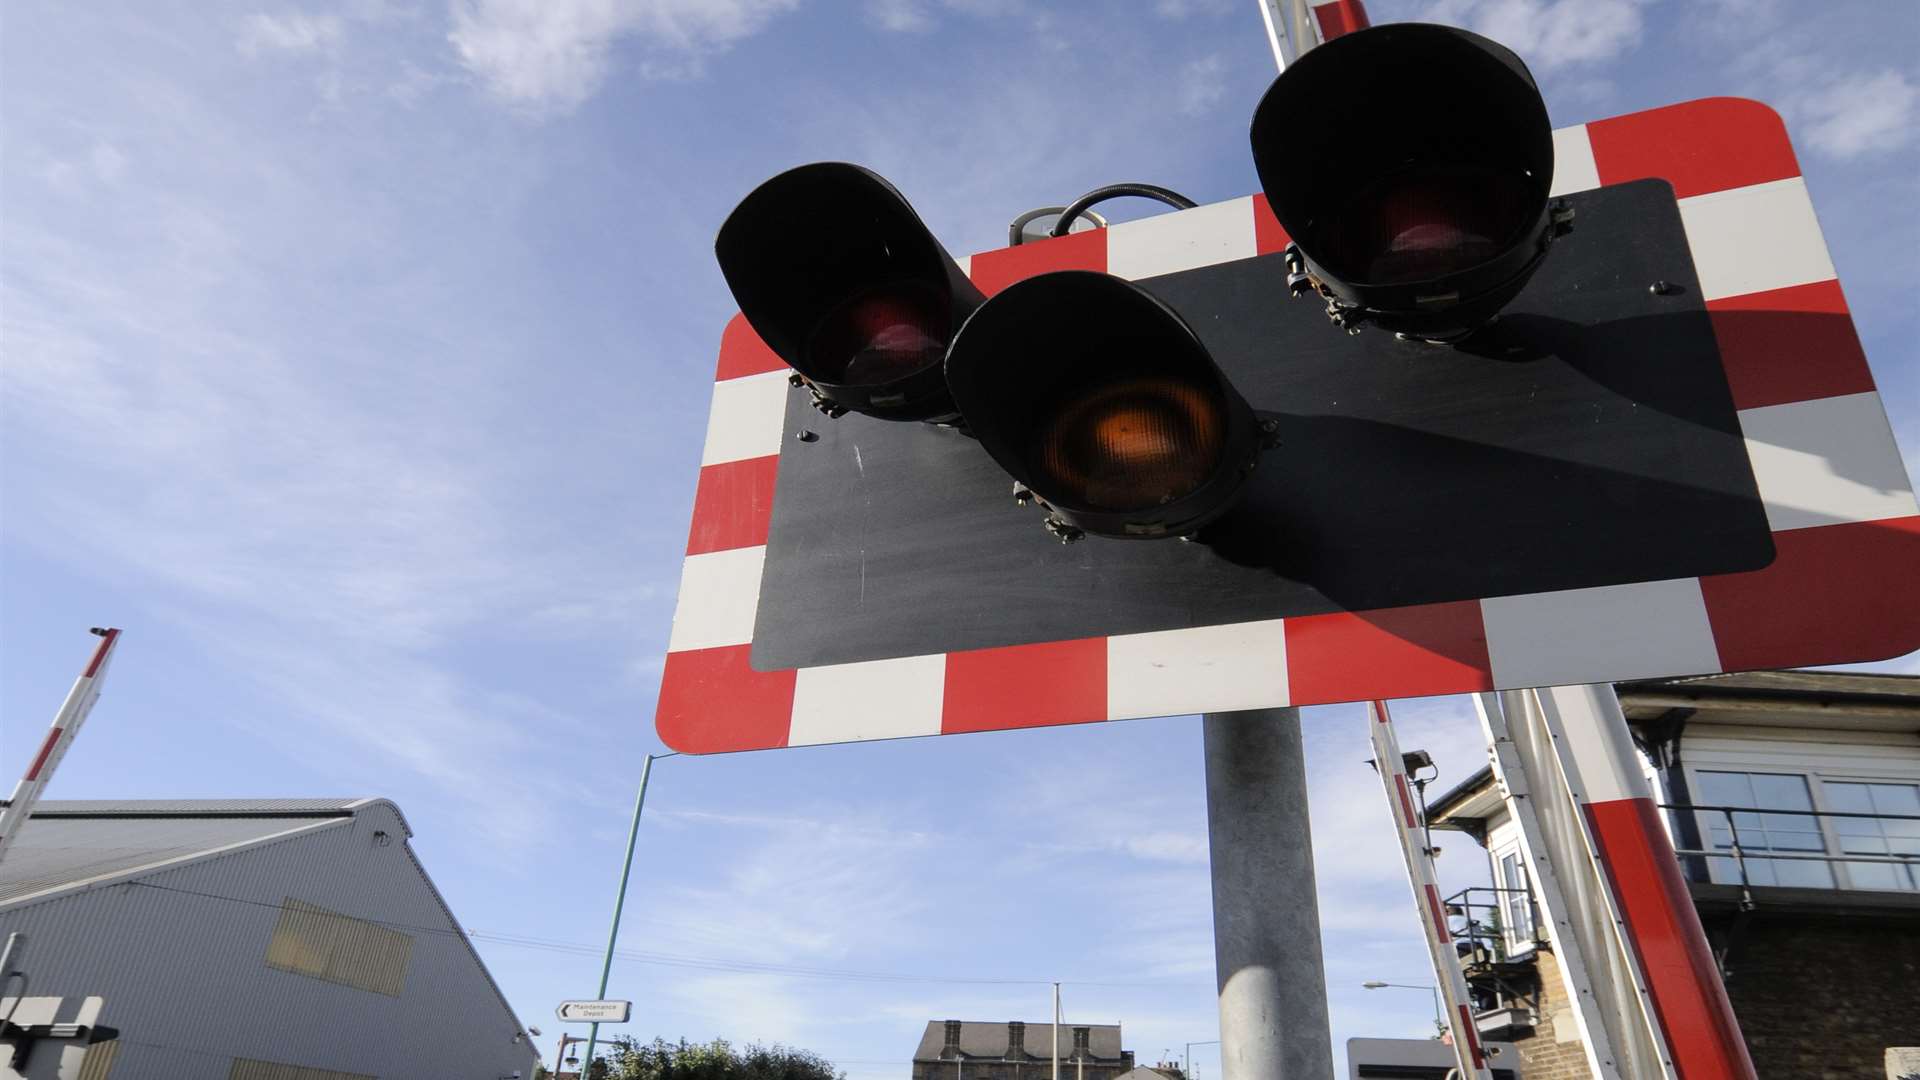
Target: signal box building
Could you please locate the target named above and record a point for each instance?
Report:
(1016, 1050)
(254, 939)
(1793, 802)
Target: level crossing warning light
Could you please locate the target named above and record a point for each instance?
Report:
(1411, 165)
(838, 275)
(1422, 519)
(1104, 406)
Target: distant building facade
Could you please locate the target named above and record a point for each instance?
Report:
(257, 939)
(1793, 802)
(1017, 1050)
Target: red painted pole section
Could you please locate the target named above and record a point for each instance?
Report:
(1689, 999)
(1337, 17)
(1662, 926)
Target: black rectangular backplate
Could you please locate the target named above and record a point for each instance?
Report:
(1588, 440)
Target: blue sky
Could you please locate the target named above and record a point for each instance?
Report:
(356, 361)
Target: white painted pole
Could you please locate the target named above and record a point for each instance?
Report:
(1274, 14)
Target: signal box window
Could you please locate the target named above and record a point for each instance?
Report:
(1882, 835)
(1761, 832)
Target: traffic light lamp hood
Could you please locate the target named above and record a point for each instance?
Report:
(1104, 406)
(843, 281)
(1410, 165)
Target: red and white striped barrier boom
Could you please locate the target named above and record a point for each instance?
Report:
(1410, 828)
(1294, 26)
(1650, 901)
(73, 712)
(1638, 966)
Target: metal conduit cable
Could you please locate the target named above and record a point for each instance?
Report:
(1115, 191)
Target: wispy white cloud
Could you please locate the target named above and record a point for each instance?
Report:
(919, 16)
(1549, 33)
(553, 54)
(1181, 9)
(109, 164)
(1859, 113)
(288, 32)
(1202, 84)
(901, 16)
(805, 887)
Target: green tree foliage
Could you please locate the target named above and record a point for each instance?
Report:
(630, 1059)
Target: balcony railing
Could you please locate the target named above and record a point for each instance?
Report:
(1497, 923)
(1755, 860)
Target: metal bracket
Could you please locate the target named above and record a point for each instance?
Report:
(1559, 219)
(1063, 531)
(1300, 282)
(832, 410)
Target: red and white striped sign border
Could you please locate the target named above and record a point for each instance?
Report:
(1845, 586)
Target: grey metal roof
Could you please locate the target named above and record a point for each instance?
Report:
(1468, 798)
(201, 808)
(1849, 684)
(71, 842)
(988, 1039)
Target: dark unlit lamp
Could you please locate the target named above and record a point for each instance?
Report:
(1410, 165)
(844, 282)
(1102, 402)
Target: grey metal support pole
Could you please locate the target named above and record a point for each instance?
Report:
(620, 901)
(1266, 920)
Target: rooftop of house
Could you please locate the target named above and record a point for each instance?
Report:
(991, 1038)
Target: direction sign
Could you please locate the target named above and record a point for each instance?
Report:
(1783, 531)
(599, 1012)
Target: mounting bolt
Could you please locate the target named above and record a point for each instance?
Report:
(1664, 288)
(1064, 532)
(807, 436)
(1021, 495)
(796, 380)
(1560, 218)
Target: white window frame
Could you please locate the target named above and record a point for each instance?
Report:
(1517, 945)
(1831, 835)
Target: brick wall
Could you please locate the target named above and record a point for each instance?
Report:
(1817, 997)
(1821, 998)
(1554, 1050)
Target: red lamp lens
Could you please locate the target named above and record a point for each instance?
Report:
(1426, 223)
(881, 335)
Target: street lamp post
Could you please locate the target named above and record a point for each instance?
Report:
(1186, 1056)
(1439, 1011)
(559, 1057)
(620, 897)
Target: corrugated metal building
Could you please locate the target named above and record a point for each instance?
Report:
(256, 939)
